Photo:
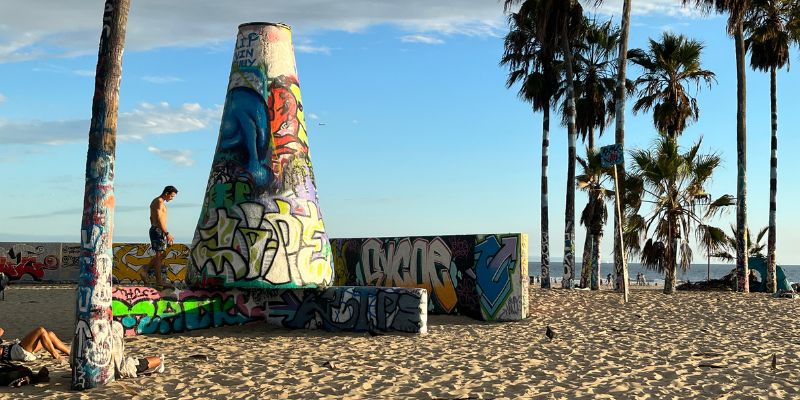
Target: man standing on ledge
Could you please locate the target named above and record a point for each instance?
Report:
(159, 235)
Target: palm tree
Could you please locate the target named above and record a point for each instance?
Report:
(672, 182)
(736, 10)
(727, 251)
(556, 22)
(668, 66)
(770, 26)
(536, 71)
(594, 56)
(595, 213)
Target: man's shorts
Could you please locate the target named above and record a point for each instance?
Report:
(158, 241)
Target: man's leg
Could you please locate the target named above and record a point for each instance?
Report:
(157, 260)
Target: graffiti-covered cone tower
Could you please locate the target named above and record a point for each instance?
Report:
(261, 224)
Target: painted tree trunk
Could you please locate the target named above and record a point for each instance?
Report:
(545, 222)
(569, 209)
(586, 261)
(90, 355)
(596, 272)
(261, 225)
(620, 263)
(742, 271)
(772, 286)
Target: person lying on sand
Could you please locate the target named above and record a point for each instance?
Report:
(129, 367)
(37, 339)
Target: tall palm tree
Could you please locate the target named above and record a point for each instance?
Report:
(770, 26)
(672, 182)
(595, 58)
(668, 66)
(736, 10)
(556, 23)
(536, 71)
(619, 134)
(595, 213)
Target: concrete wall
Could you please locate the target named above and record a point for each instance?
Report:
(35, 262)
(143, 310)
(359, 309)
(482, 276)
(60, 262)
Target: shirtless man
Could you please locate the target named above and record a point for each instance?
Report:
(159, 235)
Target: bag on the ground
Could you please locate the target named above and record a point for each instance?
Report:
(14, 375)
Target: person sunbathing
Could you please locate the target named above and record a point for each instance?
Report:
(37, 339)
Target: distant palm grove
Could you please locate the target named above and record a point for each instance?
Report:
(562, 61)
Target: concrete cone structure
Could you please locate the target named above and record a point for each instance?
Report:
(261, 224)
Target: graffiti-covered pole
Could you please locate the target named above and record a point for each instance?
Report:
(91, 346)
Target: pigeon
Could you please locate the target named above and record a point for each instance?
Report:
(550, 333)
(774, 361)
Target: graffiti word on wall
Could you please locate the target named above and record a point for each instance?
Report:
(358, 309)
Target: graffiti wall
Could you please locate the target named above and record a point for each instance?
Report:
(33, 262)
(130, 258)
(260, 225)
(143, 310)
(483, 276)
(351, 309)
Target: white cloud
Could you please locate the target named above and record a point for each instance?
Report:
(673, 8)
(178, 157)
(307, 48)
(161, 79)
(84, 72)
(147, 119)
(2, 98)
(54, 28)
(313, 116)
(421, 39)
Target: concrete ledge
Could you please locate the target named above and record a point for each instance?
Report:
(350, 309)
(144, 310)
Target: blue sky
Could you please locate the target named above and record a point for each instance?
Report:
(411, 129)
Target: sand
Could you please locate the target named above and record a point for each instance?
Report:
(688, 345)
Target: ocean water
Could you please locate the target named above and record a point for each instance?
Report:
(696, 273)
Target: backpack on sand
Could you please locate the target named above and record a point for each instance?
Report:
(14, 375)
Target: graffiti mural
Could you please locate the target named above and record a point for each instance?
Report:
(129, 258)
(261, 225)
(143, 310)
(351, 309)
(475, 275)
(24, 261)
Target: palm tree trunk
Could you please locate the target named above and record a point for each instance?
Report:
(569, 212)
(545, 226)
(90, 357)
(669, 276)
(620, 264)
(742, 272)
(586, 261)
(772, 286)
(595, 279)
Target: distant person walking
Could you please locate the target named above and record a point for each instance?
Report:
(159, 235)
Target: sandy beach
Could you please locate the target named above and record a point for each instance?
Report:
(689, 345)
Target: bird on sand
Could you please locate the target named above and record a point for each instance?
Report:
(550, 333)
